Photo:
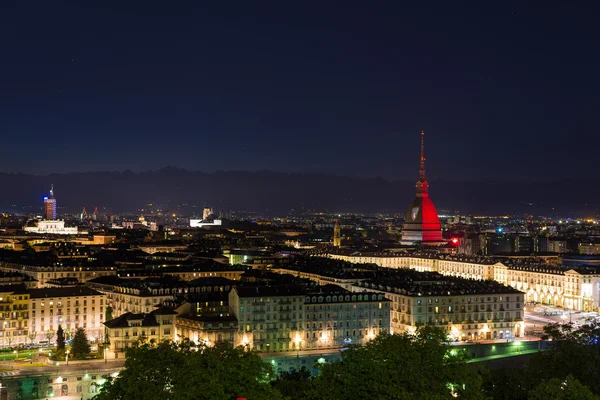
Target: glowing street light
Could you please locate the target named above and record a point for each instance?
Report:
(67, 357)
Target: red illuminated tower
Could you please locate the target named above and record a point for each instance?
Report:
(421, 222)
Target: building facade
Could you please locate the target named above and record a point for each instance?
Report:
(576, 288)
(126, 330)
(69, 307)
(272, 319)
(14, 315)
(488, 311)
(43, 274)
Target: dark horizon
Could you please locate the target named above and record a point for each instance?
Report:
(503, 92)
(274, 193)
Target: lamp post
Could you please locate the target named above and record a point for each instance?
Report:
(16, 354)
(67, 357)
(297, 340)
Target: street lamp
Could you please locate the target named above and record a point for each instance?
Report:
(16, 354)
(297, 340)
(67, 357)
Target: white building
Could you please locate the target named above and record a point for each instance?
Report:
(199, 223)
(54, 227)
(71, 308)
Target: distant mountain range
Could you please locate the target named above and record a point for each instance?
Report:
(276, 193)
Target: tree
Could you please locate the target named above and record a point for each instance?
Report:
(168, 370)
(60, 339)
(293, 384)
(404, 366)
(80, 347)
(573, 357)
(562, 389)
(32, 336)
(49, 335)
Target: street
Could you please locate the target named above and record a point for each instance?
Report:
(537, 316)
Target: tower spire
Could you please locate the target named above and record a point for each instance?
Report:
(52, 190)
(422, 167)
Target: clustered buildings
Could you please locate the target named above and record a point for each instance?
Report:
(468, 309)
(575, 288)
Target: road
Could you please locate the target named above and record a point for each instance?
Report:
(24, 369)
(535, 318)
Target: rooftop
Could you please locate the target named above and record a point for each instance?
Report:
(69, 291)
(413, 283)
(270, 291)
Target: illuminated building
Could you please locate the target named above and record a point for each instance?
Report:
(207, 329)
(576, 288)
(421, 222)
(589, 248)
(469, 310)
(50, 205)
(199, 223)
(126, 330)
(279, 319)
(268, 317)
(70, 307)
(43, 274)
(51, 227)
(206, 213)
(14, 310)
(337, 239)
(338, 318)
(557, 245)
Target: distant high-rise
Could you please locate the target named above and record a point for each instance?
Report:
(50, 205)
(421, 222)
(207, 212)
(337, 237)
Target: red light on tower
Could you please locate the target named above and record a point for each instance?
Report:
(454, 240)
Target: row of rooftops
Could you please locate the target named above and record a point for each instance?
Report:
(56, 292)
(410, 283)
(159, 285)
(142, 320)
(520, 264)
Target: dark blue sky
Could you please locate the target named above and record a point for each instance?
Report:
(503, 91)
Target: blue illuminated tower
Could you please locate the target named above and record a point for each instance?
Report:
(50, 205)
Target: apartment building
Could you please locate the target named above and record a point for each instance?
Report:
(71, 308)
(143, 295)
(291, 318)
(335, 318)
(43, 274)
(576, 288)
(468, 309)
(124, 331)
(14, 315)
(269, 318)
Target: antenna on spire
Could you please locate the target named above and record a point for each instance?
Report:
(422, 167)
(52, 190)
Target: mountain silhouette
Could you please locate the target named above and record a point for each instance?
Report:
(274, 193)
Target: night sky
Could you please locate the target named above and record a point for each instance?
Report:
(505, 92)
